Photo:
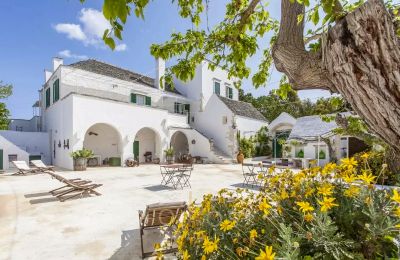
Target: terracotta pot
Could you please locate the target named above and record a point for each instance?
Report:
(240, 157)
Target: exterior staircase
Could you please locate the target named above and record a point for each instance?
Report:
(222, 157)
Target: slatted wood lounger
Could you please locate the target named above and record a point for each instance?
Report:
(41, 166)
(159, 215)
(74, 187)
(23, 168)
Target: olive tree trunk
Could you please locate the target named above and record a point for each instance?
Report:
(360, 59)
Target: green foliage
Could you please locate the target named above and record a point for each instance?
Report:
(5, 91)
(262, 141)
(272, 105)
(169, 151)
(333, 212)
(84, 153)
(247, 147)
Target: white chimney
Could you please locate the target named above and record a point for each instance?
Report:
(47, 75)
(160, 71)
(57, 62)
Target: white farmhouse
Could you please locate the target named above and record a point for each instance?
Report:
(120, 114)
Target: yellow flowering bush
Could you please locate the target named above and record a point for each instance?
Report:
(333, 212)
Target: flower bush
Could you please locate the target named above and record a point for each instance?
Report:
(334, 212)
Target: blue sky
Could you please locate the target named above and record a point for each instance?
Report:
(35, 31)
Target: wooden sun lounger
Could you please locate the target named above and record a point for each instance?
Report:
(73, 188)
(23, 168)
(41, 166)
(159, 215)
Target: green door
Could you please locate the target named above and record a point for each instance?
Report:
(1, 159)
(136, 150)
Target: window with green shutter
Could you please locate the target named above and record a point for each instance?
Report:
(47, 97)
(56, 90)
(228, 92)
(148, 101)
(133, 98)
(217, 87)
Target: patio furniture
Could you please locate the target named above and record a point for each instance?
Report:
(23, 168)
(159, 215)
(176, 174)
(252, 170)
(74, 188)
(148, 156)
(41, 166)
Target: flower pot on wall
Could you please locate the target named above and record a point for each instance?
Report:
(170, 159)
(240, 157)
(80, 164)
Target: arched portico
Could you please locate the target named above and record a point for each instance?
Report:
(105, 142)
(147, 142)
(179, 142)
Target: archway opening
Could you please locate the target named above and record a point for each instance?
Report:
(146, 146)
(105, 142)
(180, 144)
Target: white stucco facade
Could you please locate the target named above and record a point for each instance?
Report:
(118, 113)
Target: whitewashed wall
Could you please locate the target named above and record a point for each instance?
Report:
(34, 143)
(10, 148)
(249, 127)
(30, 125)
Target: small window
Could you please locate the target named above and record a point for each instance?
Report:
(178, 108)
(224, 120)
(47, 97)
(140, 99)
(228, 92)
(56, 90)
(217, 87)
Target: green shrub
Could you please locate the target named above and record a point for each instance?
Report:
(247, 146)
(84, 153)
(333, 212)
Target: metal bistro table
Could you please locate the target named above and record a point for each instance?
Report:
(251, 171)
(176, 174)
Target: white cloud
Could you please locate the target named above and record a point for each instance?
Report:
(69, 54)
(121, 47)
(90, 30)
(73, 31)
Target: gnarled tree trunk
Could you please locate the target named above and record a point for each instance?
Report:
(360, 60)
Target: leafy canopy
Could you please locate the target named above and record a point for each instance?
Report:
(5, 91)
(232, 41)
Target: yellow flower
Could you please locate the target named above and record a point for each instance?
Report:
(210, 246)
(308, 217)
(330, 167)
(397, 211)
(264, 206)
(284, 194)
(309, 192)
(266, 255)
(352, 191)
(325, 189)
(240, 251)
(200, 233)
(227, 225)
(235, 240)
(365, 156)
(367, 178)
(305, 206)
(185, 255)
(349, 163)
(398, 226)
(396, 196)
(327, 204)
(203, 257)
(253, 234)
(349, 178)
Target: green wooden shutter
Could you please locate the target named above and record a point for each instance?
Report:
(133, 98)
(48, 97)
(136, 150)
(1, 159)
(148, 101)
(230, 95)
(217, 87)
(56, 90)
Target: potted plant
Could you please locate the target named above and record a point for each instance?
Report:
(240, 157)
(169, 153)
(80, 158)
(300, 154)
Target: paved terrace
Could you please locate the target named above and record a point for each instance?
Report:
(35, 226)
